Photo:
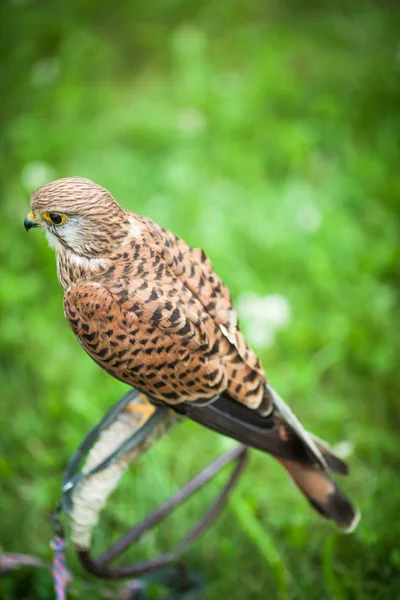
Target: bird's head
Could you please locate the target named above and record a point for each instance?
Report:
(79, 216)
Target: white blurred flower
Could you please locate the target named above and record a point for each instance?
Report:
(35, 174)
(191, 121)
(344, 449)
(273, 309)
(260, 334)
(263, 316)
(276, 310)
(309, 218)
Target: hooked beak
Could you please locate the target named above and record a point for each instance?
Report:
(30, 221)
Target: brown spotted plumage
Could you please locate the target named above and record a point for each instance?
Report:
(151, 311)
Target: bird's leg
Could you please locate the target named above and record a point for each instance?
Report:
(145, 427)
(138, 423)
(145, 410)
(149, 417)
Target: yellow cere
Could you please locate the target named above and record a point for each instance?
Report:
(55, 218)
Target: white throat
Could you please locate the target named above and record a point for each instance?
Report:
(53, 241)
(74, 259)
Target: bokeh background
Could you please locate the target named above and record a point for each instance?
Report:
(267, 133)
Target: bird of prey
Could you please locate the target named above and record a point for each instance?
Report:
(151, 311)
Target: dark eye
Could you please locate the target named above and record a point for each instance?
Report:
(55, 218)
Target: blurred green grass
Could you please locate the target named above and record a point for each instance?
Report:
(267, 134)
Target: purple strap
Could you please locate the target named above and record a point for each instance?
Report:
(61, 575)
(14, 560)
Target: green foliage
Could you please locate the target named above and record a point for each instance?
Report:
(266, 133)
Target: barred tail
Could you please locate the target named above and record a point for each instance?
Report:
(323, 494)
(307, 460)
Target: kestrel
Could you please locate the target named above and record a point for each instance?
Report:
(151, 311)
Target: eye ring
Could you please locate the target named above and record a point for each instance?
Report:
(55, 218)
